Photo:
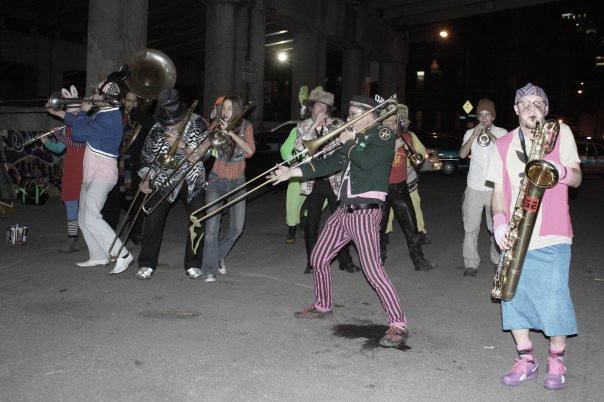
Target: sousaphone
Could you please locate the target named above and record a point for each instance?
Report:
(151, 71)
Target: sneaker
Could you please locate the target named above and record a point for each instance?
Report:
(290, 238)
(144, 273)
(555, 377)
(470, 272)
(194, 273)
(523, 370)
(394, 336)
(93, 263)
(122, 264)
(210, 278)
(222, 267)
(312, 312)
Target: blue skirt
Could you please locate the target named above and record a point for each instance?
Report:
(542, 300)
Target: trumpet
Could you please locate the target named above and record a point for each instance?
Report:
(415, 159)
(37, 137)
(311, 148)
(57, 101)
(484, 138)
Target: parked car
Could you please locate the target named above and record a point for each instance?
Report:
(447, 147)
(270, 141)
(592, 156)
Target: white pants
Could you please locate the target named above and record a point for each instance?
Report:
(474, 202)
(97, 233)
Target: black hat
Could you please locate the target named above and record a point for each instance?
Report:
(169, 108)
(363, 102)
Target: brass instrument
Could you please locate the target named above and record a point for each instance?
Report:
(484, 138)
(312, 148)
(219, 139)
(539, 176)
(151, 71)
(37, 137)
(57, 101)
(415, 159)
(132, 131)
(168, 160)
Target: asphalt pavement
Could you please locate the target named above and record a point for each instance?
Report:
(79, 334)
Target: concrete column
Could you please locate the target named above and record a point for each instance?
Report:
(308, 65)
(352, 76)
(116, 29)
(219, 73)
(256, 55)
(390, 80)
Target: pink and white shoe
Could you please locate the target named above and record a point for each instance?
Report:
(523, 370)
(555, 378)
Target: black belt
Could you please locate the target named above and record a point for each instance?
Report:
(359, 207)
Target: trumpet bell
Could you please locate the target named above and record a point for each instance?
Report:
(151, 71)
(483, 140)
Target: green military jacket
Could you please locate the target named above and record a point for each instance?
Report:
(370, 156)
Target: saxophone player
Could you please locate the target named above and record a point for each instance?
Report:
(542, 300)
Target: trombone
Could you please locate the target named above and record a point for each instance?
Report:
(312, 146)
(37, 137)
(219, 140)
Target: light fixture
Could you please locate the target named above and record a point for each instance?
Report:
(282, 57)
(443, 34)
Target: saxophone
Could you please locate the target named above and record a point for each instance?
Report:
(539, 175)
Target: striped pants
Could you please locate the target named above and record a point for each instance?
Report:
(363, 228)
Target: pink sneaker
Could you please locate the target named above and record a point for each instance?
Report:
(524, 369)
(555, 378)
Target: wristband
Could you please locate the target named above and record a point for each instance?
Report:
(498, 219)
(567, 177)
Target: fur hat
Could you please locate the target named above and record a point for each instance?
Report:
(486, 104)
(530, 89)
(318, 95)
(169, 108)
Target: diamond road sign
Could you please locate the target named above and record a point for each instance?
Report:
(467, 107)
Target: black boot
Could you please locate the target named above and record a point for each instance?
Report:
(70, 245)
(290, 238)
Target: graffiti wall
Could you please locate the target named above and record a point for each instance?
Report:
(33, 160)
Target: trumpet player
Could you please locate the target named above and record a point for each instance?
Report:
(319, 107)
(398, 198)
(170, 117)
(542, 300)
(102, 133)
(480, 143)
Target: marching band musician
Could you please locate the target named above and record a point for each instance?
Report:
(398, 197)
(364, 158)
(71, 181)
(228, 173)
(319, 109)
(542, 300)
(170, 116)
(477, 196)
(102, 132)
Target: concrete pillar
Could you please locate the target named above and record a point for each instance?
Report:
(352, 76)
(116, 29)
(390, 79)
(219, 73)
(308, 66)
(256, 55)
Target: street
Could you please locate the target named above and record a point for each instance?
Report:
(78, 334)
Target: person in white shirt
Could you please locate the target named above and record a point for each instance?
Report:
(478, 142)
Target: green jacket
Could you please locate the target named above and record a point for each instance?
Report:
(370, 157)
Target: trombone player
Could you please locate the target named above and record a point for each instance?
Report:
(364, 160)
(173, 130)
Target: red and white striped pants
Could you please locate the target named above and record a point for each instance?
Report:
(363, 228)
